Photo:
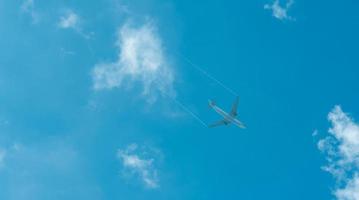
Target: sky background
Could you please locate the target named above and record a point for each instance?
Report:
(62, 137)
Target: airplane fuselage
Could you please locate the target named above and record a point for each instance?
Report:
(228, 118)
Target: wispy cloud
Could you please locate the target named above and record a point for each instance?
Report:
(315, 133)
(140, 59)
(278, 11)
(2, 157)
(8, 152)
(28, 7)
(70, 20)
(139, 163)
(341, 148)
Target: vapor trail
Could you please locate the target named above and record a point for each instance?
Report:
(189, 112)
(208, 75)
(184, 107)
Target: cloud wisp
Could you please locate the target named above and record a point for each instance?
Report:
(139, 164)
(2, 157)
(70, 20)
(140, 59)
(341, 149)
(28, 7)
(278, 11)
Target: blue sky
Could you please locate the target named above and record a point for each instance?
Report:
(98, 101)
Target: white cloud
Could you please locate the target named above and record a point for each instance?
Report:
(70, 20)
(278, 11)
(315, 133)
(140, 59)
(140, 164)
(341, 148)
(351, 190)
(28, 7)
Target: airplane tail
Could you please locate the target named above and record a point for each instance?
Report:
(234, 107)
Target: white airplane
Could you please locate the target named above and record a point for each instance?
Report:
(228, 118)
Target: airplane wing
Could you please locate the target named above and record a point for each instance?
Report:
(218, 123)
(234, 107)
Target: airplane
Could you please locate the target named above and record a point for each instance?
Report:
(228, 118)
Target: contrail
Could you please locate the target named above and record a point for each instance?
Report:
(189, 112)
(184, 108)
(208, 75)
